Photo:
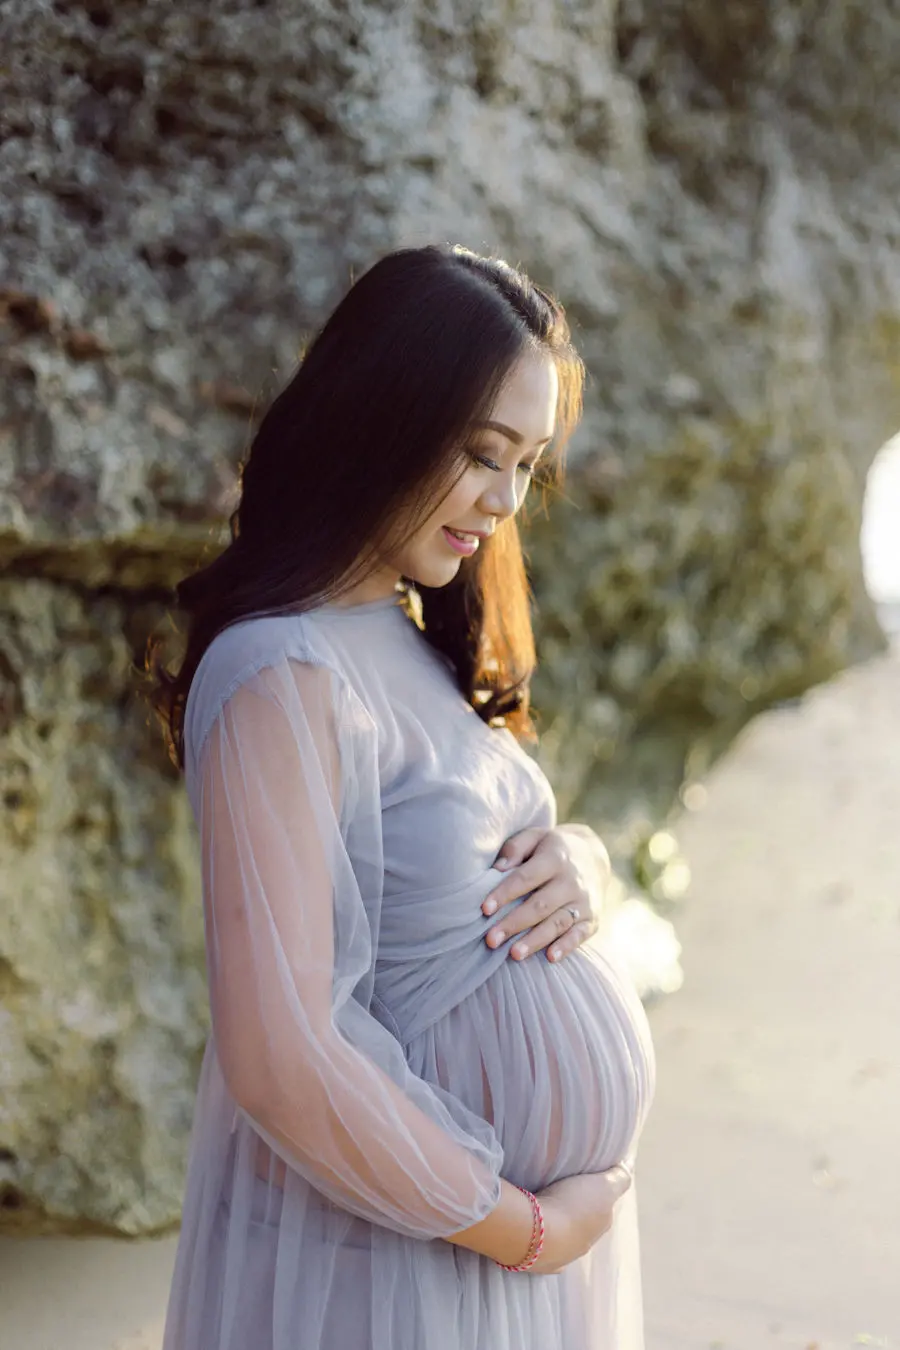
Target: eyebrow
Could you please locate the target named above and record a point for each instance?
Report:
(512, 435)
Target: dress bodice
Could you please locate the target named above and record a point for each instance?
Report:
(453, 790)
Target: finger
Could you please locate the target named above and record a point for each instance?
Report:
(518, 847)
(535, 871)
(554, 900)
(541, 903)
(553, 930)
(570, 941)
(620, 1179)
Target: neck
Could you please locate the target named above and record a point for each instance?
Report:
(379, 585)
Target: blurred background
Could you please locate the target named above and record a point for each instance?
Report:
(710, 187)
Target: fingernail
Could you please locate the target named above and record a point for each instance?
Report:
(489, 906)
(498, 937)
(520, 949)
(501, 864)
(554, 955)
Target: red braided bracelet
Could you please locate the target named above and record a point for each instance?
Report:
(536, 1245)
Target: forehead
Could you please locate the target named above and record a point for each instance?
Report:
(527, 400)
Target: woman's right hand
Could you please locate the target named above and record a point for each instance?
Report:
(577, 1212)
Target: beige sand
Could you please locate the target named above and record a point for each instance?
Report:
(770, 1187)
(770, 1182)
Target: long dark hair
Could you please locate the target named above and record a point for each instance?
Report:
(360, 446)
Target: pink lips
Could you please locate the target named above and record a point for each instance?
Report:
(465, 547)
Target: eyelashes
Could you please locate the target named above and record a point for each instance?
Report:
(485, 462)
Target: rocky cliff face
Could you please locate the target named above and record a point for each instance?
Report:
(184, 193)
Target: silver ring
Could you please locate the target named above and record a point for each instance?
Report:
(573, 912)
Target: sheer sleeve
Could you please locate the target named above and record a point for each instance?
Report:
(289, 815)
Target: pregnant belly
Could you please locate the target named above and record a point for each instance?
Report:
(558, 1058)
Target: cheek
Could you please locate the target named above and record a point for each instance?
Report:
(456, 507)
(422, 542)
(421, 551)
(458, 503)
(423, 548)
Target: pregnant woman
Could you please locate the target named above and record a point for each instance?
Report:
(410, 1133)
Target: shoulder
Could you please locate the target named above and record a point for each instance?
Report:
(292, 643)
(246, 647)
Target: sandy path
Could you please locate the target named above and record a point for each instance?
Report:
(770, 1181)
(770, 1186)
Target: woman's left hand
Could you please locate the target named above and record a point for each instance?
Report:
(564, 872)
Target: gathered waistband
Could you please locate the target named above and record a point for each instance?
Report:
(412, 993)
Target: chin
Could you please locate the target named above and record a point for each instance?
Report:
(435, 574)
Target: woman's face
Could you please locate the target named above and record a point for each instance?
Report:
(502, 453)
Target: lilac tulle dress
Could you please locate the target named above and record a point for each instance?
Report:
(373, 1067)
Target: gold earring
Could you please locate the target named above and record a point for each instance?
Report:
(412, 604)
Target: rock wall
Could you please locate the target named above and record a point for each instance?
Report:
(184, 193)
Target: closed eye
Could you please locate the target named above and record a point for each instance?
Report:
(496, 468)
(486, 463)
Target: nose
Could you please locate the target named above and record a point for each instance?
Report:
(503, 495)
